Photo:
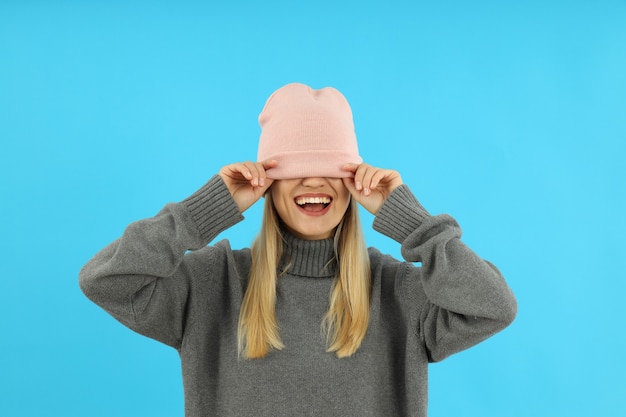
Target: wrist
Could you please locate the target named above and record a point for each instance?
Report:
(400, 214)
(213, 208)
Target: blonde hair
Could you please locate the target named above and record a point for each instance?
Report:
(347, 318)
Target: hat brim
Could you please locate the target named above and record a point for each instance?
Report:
(324, 164)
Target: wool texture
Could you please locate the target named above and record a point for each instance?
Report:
(309, 132)
(162, 280)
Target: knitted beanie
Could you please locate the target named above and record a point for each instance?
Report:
(309, 132)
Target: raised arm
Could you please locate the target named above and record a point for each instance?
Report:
(467, 299)
(141, 278)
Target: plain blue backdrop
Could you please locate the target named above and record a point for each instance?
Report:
(508, 115)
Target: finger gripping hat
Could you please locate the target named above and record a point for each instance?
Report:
(309, 132)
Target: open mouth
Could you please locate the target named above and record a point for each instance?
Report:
(312, 204)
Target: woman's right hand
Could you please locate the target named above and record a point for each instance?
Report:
(247, 181)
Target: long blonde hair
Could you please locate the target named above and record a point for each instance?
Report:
(347, 318)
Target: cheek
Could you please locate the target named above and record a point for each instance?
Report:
(276, 197)
(345, 198)
(281, 208)
(342, 206)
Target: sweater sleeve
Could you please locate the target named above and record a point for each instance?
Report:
(467, 297)
(141, 278)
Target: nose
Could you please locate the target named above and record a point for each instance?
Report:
(313, 182)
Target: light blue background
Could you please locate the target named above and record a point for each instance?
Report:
(508, 115)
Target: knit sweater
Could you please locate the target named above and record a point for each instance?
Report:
(163, 281)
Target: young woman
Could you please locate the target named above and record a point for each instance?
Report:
(308, 321)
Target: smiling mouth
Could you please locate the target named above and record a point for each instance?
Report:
(313, 204)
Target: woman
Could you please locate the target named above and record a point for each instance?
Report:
(308, 321)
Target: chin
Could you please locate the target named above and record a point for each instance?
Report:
(314, 235)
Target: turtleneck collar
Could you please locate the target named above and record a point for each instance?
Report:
(308, 258)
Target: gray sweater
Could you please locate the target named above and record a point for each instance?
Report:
(163, 281)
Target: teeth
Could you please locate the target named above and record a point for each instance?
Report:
(313, 200)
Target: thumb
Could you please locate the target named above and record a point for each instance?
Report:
(371, 202)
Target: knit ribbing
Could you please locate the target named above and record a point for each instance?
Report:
(309, 133)
(308, 258)
(191, 301)
(213, 208)
(400, 214)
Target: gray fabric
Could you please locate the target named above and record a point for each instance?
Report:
(163, 281)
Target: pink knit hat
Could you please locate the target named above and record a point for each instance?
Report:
(309, 132)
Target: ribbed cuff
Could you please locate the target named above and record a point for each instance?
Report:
(213, 208)
(400, 215)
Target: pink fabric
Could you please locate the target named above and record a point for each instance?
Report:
(309, 132)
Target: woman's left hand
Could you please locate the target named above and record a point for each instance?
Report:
(371, 186)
